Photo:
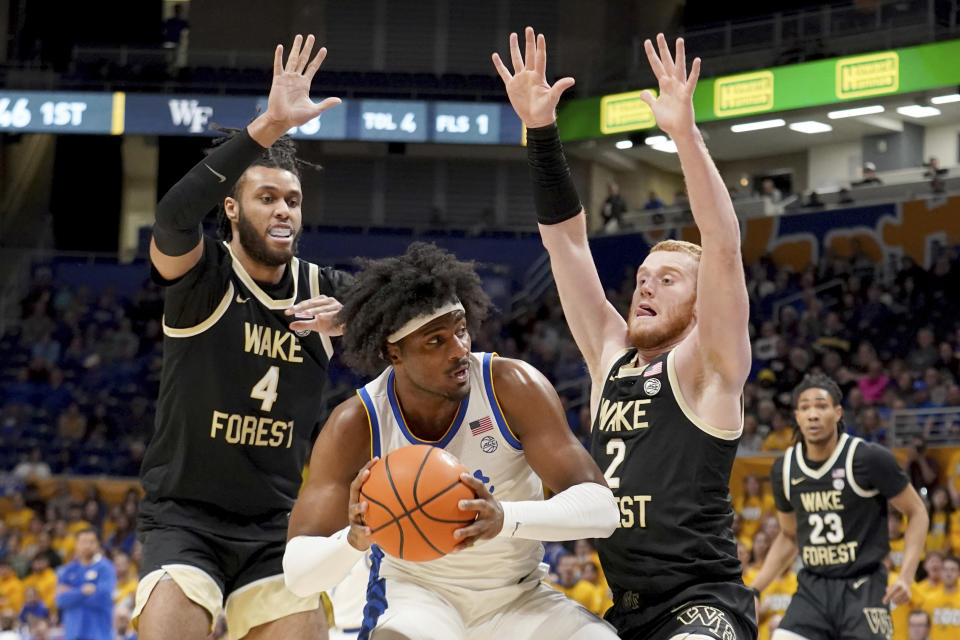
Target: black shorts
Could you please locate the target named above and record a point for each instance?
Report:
(234, 551)
(230, 562)
(720, 610)
(217, 569)
(848, 608)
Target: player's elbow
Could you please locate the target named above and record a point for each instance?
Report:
(610, 513)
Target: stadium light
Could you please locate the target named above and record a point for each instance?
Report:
(950, 97)
(624, 144)
(810, 126)
(756, 126)
(655, 140)
(856, 111)
(918, 111)
(667, 146)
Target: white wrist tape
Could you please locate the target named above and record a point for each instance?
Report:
(585, 510)
(312, 564)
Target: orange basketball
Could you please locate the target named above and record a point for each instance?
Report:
(412, 496)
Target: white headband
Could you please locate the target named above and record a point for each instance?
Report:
(418, 321)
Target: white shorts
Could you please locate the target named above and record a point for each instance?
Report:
(421, 613)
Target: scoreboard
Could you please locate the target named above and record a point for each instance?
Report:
(194, 115)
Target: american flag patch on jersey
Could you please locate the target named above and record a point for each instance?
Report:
(838, 473)
(482, 425)
(653, 370)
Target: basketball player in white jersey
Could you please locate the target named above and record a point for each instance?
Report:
(500, 417)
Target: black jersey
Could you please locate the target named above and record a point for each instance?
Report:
(841, 505)
(670, 474)
(240, 393)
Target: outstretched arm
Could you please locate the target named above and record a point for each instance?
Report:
(176, 244)
(597, 327)
(782, 553)
(326, 535)
(721, 343)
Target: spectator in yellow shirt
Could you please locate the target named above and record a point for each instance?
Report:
(20, 514)
(782, 435)
(943, 604)
(63, 542)
(761, 545)
(29, 543)
(569, 582)
(75, 521)
(43, 579)
(753, 505)
(952, 476)
(126, 591)
(937, 537)
(933, 566)
(591, 572)
(11, 589)
(586, 552)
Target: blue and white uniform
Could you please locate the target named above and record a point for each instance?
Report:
(492, 589)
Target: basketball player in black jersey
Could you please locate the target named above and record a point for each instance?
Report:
(240, 399)
(831, 492)
(667, 382)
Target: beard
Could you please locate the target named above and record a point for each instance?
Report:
(256, 245)
(667, 331)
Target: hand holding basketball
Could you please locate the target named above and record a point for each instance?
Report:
(411, 502)
(489, 520)
(359, 535)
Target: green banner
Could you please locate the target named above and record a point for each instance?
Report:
(796, 86)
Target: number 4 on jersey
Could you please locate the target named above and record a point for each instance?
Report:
(266, 389)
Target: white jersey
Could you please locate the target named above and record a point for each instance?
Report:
(481, 439)
(348, 598)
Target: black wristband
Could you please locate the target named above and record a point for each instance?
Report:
(554, 195)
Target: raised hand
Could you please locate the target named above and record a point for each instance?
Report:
(531, 96)
(289, 103)
(317, 314)
(673, 108)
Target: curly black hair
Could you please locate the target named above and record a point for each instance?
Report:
(390, 291)
(282, 154)
(818, 381)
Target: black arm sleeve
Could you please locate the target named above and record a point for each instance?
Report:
(776, 486)
(874, 467)
(179, 213)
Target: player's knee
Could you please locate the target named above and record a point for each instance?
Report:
(169, 615)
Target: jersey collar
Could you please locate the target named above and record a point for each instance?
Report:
(260, 294)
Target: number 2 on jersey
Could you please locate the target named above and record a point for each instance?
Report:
(266, 389)
(618, 449)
